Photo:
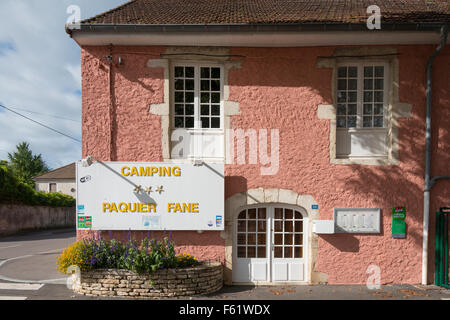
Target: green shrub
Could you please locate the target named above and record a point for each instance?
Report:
(148, 257)
(13, 191)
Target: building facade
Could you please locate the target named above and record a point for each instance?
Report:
(59, 180)
(309, 120)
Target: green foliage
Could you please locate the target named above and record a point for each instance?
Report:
(15, 191)
(148, 257)
(24, 165)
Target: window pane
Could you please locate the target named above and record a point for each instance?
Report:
(179, 109)
(179, 122)
(251, 224)
(379, 96)
(342, 96)
(261, 238)
(352, 84)
(215, 97)
(241, 252)
(298, 215)
(367, 109)
(342, 84)
(261, 252)
(204, 73)
(352, 96)
(205, 122)
(352, 108)
(215, 73)
(298, 239)
(179, 72)
(179, 84)
(204, 85)
(351, 122)
(278, 213)
(368, 84)
(189, 71)
(189, 97)
(379, 84)
(252, 213)
(288, 214)
(367, 122)
(278, 239)
(215, 123)
(278, 252)
(241, 238)
(189, 84)
(242, 226)
(378, 122)
(251, 238)
(342, 109)
(341, 122)
(298, 226)
(251, 252)
(189, 122)
(242, 215)
(378, 109)
(368, 96)
(189, 109)
(352, 72)
(261, 226)
(179, 97)
(204, 110)
(288, 238)
(215, 110)
(379, 71)
(342, 72)
(278, 226)
(215, 85)
(288, 252)
(298, 252)
(288, 226)
(368, 72)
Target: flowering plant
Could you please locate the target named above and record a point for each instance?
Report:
(147, 257)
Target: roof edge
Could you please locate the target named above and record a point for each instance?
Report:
(291, 27)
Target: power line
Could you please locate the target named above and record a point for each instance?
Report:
(46, 114)
(41, 124)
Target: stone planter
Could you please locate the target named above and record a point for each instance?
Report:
(203, 279)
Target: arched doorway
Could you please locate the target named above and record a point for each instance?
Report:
(270, 244)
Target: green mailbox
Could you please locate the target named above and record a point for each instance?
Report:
(398, 222)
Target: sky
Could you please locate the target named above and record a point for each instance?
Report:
(40, 73)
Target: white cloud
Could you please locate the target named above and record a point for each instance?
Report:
(40, 71)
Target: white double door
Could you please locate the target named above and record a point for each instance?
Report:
(270, 244)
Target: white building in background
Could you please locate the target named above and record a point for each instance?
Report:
(58, 180)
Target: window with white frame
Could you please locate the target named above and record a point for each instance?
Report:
(361, 95)
(197, 96)
(361, 109)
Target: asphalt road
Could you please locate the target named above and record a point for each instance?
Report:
(28, 272)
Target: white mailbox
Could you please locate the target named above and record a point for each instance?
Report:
(357, 220)
(323, 226)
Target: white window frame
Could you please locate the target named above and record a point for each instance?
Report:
(197, 122)
(360, 93)
(345, 135)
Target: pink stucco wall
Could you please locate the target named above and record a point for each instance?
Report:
(280, 88)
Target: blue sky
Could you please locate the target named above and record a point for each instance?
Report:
(40, 73)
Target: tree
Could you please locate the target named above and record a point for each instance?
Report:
(24, 165)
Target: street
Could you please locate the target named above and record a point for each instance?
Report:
(28, 272)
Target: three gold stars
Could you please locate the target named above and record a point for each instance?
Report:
(148, 190)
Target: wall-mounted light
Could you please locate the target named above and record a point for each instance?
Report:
(88, 161)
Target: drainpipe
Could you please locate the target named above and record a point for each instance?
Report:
(429, 181)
